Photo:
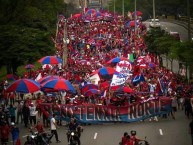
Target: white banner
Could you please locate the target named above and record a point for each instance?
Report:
(118, 79)
(124, 67)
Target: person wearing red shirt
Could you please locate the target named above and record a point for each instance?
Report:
(4, 133)
(124, 138)
(39, 127)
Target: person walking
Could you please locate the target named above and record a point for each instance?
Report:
(53, 126)
(4, 133)
(19, 112)
(33, 113)
(26, 113)
(12, 110)
(14, 133)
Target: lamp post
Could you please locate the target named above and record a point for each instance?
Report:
(154, 10)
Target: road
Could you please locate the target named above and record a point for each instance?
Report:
(161, 132)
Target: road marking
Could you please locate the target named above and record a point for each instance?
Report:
(160, 131)
(95, 135)
(156, 119)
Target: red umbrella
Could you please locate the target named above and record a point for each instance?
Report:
(76, 15)
(24, 86)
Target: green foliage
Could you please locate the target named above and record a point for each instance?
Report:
(167, 7)
(26, 28)
(20, 70)
(161, 43)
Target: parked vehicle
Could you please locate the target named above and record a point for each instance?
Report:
(154, 23)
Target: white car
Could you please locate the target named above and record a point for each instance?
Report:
(154, 23)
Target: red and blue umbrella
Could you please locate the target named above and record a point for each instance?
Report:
(88, 87)
(24, 86)
(138, 13)
(116, 60)
(47, 78)
(29, 66)
(105, 72)
(123, 89)
(152, 65)
(91, 11)
(50, 60)
(59, 84)
(131, 24)
(91, 92)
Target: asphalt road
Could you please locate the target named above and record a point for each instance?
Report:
(161, 132)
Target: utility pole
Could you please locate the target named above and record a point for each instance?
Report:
(114, 6)
(65, 49)
(154, 10)
(123, 7)
(189, 20)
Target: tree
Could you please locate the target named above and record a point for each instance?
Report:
(26, 28)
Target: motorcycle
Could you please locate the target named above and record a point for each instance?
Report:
(74, 138)
(145, 142)
(40, 138)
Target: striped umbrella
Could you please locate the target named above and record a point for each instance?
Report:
(50, 60)
(24, 86)
(59, 84)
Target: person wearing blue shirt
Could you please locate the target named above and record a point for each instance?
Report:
(14, 133)
(12, 112)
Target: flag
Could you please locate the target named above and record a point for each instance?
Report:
(38, 77)
(137, 79)
(118, 79)
(131, 57)
(159, 89)
(95, 79)
(103, 94)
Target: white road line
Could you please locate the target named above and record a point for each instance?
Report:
(95, 135)
(160, 131)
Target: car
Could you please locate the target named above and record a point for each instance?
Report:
(176, 35)
(154, 23)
